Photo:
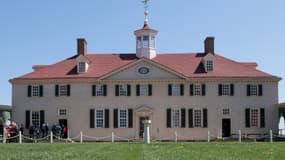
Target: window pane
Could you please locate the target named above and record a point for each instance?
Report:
(254, 118)
(99, 118)
(36, 90)
(225, 89)
(253, 90)
(139, 42)
(81, 67)
(62, 112)
(63, 90)
(99, 90)
(123, 118)
(123, 90)
(36, 118)
(143, 90)
(145, 41)
(197, 118)
(176, 90)
(175, 118)
(209, 65)
(197, 89)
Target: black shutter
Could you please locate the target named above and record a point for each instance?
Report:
(191, 89)
(247, 117)
(203, 89)
(28, 118)
(220, 89)
(181, 90)
(169, 89)
(56, 91)
(260, 90)
(115, 118)
(106, 116)
(130, 118)
(248, 90)
(262, 118)
(129, 90)
(205, 117)
(92, 118)
(190, 116)
(117, 90)
(42, 117)
(41, 90)
(168, 118)
(93, 90)
(149, 90)
(183, 118)
(105, 90)
(68, 90)
(29, 91)
(138, 89)
(232, 87)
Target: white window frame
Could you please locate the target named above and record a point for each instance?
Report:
(175, 118)
(226, 89)
(145, 41)
(123, 90)
(99, 119)
(35, 89)
(254, 118)
(123, 118)
(81, 67)
(226, 111)
(99, 90)
(175, 88)
(253, 89)
(62, 112)
(198, 118)
(62, 90)
(139, 42)
(36, 118)
(144, 90)
(209, 65)
(197, 89)
(152, 42)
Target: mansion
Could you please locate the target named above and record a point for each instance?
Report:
(184, 93)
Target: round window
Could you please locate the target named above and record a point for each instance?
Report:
(143, 70)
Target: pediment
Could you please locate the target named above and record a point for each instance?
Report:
(143, 69)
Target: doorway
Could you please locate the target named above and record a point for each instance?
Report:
(141, 129)
(64, 127)
(226, 127)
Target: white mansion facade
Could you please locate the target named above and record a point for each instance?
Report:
(189, 93)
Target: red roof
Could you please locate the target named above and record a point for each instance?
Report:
(187, 64)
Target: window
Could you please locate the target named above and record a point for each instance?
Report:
(176, 118)
(35, 90)
(254, 90)
(144, 90)
(99, 90)
(197, 89)
(197, 118)
(123, 90)
(123, 118)
(175, 89)
(36, 118)
(139, 42)
(209, 66)
(152, 42)
(62, 112)
(81, 67)
(145, 42)
(226, 111)
(99, 118)
(254, 120)
(62, 90)
(226, 89)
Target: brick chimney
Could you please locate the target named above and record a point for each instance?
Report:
(81, 46)
(209, 44)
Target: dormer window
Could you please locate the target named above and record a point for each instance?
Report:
(81, 67)
(209, 66)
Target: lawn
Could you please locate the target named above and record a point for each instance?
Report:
(140, 151)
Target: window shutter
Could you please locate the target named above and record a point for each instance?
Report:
(191, 89)
(105, 90)
(56, 90)
(205, 117)
(168, 118)
(220, 89)
(169, 89)
(42, 117)
(260, 90)
(232, 89)
(138, 89)
(92, 118)
(130, 118)
(183, 118)
(248, 90)
(190, 116)
(68, 90)
(115, 118)
(28, 118)
(203, 89)
(106, 118)
(149, 90)
(93, 90)
(41, 90)
(129, 90)
(29, 91)
(262, 118)
(247, 117)
(117, 90)
(181, 90)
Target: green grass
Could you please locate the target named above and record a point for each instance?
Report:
(139, 151)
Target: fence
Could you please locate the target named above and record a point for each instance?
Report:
(80, 138)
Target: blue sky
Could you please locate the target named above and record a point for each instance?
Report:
(44, 32)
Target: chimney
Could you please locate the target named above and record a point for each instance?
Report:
(209, 45)
(81, 46)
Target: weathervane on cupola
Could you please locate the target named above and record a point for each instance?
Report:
(146, 37)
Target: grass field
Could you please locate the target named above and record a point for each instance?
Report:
(139, 151)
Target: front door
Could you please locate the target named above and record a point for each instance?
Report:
(226, 127)
(141, 126)
(63, 125)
